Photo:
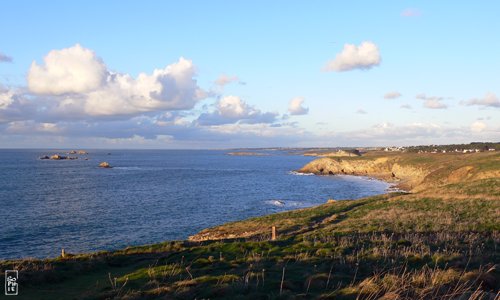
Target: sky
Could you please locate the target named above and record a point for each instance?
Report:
(227, 74)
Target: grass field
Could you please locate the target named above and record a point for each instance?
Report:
(440, 241)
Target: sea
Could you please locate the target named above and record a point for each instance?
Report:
(149, 196)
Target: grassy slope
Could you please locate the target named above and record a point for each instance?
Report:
(435, 243)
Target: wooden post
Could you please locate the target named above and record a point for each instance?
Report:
(273, 233)
(63, 253)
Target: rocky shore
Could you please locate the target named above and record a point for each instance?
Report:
(411, 172)
(384, 168)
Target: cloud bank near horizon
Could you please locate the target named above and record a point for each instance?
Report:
(73, 98)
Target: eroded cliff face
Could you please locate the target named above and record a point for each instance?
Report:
(411, 172)
(385, 168)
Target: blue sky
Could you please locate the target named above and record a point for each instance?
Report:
(228, 73)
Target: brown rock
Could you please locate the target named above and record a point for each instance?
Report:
(104, 165)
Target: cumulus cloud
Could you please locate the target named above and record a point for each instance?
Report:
(296, 107)
(411, 12)
(5, 58)
(361, 111)
(79, 84)
(232, 109)
(364, 57)
(489, 100)
(478, 126)
(171, 88)
(70, 70)
(405, 106)
(392, 95)
(6, 98)
(224, 79)
(432, 102)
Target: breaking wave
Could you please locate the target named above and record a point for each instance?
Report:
(299, 173)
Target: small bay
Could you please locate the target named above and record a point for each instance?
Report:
(148, 196)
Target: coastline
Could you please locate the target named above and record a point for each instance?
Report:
(432, 172)
(430, 232)
(323, 167)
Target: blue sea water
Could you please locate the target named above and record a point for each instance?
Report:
(149, 196)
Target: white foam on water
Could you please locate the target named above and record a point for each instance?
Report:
(300, 174)
(276, 202)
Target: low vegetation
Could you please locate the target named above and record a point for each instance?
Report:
(439, 242)
(451, 148)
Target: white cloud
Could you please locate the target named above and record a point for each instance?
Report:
(232, 109)
(405, 106)
(361, 111)
(432, 102)
(296, 107)
(171, 88)
(5, 58)
(364, 56)
(489, 100)
(478, 126)
(32, 127)
(6, 98)
(77, 83)
(392, 95)
(225, 79)
(70, 70)
(14, 106)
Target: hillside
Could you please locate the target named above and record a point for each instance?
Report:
(439, 240)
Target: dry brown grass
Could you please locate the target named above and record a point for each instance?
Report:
(426, 283)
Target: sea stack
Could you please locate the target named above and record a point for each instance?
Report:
(105, 165)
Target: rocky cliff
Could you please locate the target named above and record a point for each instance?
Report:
(385, 168)
(412, 172)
